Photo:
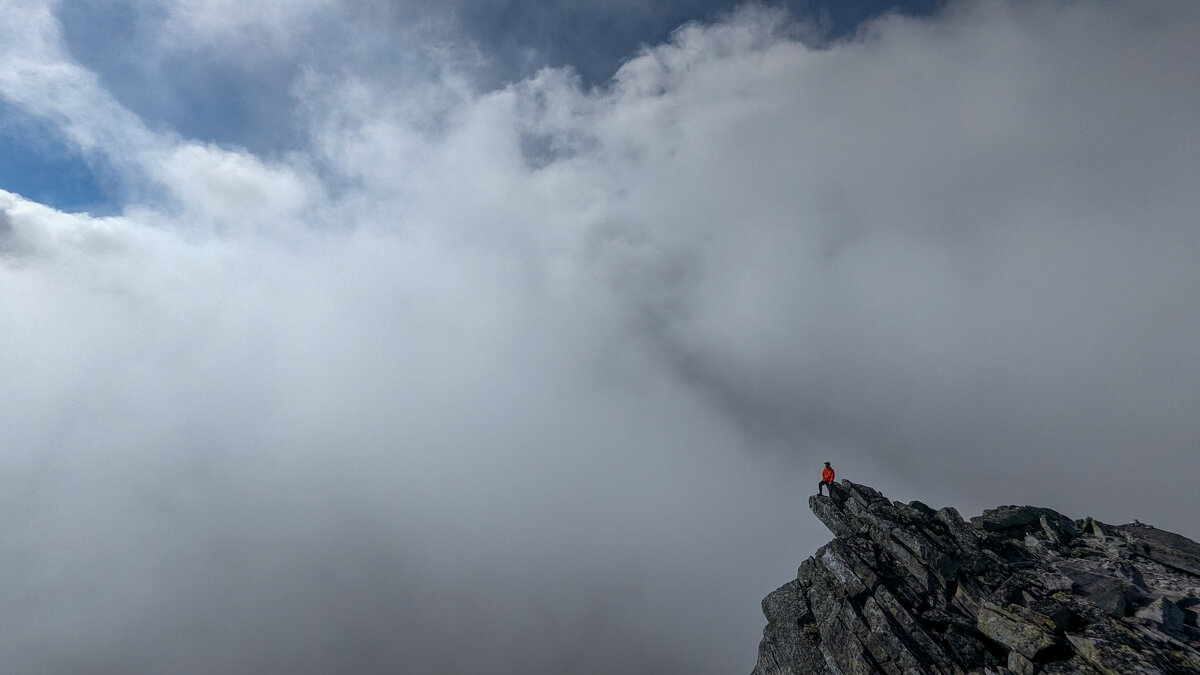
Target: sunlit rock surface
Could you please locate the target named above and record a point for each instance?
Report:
(903, 588)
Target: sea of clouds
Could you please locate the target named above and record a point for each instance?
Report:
(537, 378)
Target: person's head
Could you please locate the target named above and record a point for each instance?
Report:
(826, 463)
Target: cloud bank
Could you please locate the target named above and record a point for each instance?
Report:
(537, 378)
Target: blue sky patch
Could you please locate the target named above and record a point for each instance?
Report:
(36, 163)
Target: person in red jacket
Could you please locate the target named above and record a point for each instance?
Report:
(826, 479)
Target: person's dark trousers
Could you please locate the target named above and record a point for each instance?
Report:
(823, 484)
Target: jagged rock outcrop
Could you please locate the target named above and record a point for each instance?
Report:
(903, 588)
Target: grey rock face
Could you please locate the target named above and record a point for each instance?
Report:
(906, 589)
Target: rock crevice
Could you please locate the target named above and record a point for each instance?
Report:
(904, 588)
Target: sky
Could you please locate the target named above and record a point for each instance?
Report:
(469, 337)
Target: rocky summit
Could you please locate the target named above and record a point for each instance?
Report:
(903, 588)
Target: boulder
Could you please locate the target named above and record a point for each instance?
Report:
(1023, 632)
(1164, 613)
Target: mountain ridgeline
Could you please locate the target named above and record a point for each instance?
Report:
(903, 588)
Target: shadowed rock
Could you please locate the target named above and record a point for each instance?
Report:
(903, 588)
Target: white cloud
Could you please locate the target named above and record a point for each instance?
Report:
(233, 189)
(35, 74)
(562, 357)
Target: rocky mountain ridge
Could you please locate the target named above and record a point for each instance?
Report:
(904, 588)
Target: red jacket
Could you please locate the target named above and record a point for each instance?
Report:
(827, 474)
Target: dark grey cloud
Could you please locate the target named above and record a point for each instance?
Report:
(518, 37)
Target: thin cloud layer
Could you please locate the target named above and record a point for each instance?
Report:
(537, 378)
